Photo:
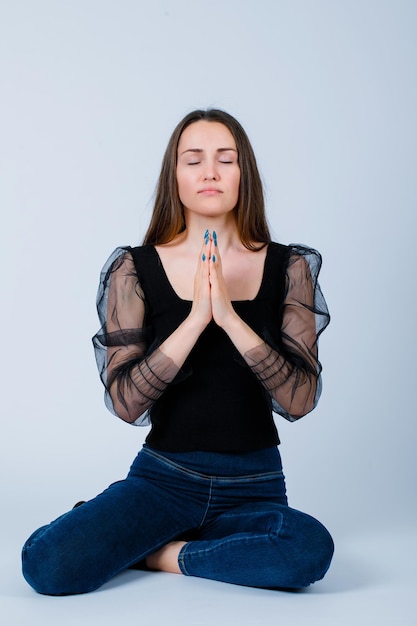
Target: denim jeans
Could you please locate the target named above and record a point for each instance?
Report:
(231, 508)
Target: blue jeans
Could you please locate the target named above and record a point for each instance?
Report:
(231, 508)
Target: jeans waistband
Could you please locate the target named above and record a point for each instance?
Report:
(221, 464)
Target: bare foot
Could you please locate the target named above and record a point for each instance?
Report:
(166, 559)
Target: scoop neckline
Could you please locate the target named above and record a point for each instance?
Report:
(161, 265)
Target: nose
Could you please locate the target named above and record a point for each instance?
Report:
(210, 172)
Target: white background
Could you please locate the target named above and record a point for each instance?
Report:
(327, 91)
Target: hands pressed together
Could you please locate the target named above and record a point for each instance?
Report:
(211, 299)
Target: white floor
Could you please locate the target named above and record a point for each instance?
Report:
(372, 581)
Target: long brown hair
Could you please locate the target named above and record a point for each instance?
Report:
(168, 214)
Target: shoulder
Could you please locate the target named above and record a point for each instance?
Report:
(142, 251)
(116, 259)
(295, 258)
(300, 249)
(127, 259)
(136, 259)
(296, 251)
(306, 255)
(145, 249)
(278, 249)
(278, 254)
(144, 257)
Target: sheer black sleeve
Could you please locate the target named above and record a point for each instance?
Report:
(292, 373)
(134, 374)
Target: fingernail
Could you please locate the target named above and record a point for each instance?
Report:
(215, 237)
(203, 258)
(213, 258)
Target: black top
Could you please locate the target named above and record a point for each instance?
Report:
(219, 400)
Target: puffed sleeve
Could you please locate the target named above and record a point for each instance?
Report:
(134, 374)
(291, 373)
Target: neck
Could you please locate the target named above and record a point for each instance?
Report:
(225, 227)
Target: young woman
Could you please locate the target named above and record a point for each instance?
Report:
(207, 329)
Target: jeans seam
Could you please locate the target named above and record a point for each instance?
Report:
(208, 504)
(251, 478)
(181, 563)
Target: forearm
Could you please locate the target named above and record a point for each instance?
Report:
(136, 383)
(241, 335)
(180, 343)
(292, 383)
(292, 386)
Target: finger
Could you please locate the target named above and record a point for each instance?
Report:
(205, 252)
(204, 256)
(215, 262)
(214, 236)
(202, 275)
(214, 268)
(215, 249)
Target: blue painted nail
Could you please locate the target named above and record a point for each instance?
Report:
(203, 258)
(215, 237)
(213, 258)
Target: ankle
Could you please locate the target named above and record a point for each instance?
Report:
(166, 559)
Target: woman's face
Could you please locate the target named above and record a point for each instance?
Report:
(208, 173)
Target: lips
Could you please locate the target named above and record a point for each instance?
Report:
(210, 191)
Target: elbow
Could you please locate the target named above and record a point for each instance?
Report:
(302, 403)
(130, 415)
(125, 415)
(303, 406)
(129, 412)
(297, 414)
(291, 411)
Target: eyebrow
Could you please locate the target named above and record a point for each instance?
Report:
(199, 150)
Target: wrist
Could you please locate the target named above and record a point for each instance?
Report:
(195, 324)
(231, 322)
(241, 335)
